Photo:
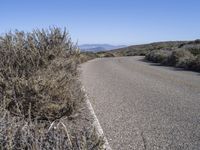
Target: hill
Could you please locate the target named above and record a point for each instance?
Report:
(145, 48)
(98, 47)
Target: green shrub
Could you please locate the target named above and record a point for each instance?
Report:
(105, 54)
(195, 50)
(179, 58)
(196, 64)
(193, 47)
(135, 52)
(197, 41)
(158, 56)
(185, 62)
(179, 55)
(85, 56)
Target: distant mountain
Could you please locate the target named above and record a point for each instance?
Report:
(99, 47)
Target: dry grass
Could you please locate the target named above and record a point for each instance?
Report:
(18, 134)
(38, 88)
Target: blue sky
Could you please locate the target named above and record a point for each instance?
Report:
(106, 21)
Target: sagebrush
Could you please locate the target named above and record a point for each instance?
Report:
(38, 88)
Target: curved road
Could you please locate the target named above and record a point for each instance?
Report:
(142, 105)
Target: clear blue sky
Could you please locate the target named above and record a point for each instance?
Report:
(107, 21)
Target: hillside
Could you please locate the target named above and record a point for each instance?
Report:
(145, 48)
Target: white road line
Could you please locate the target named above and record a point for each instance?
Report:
(96, 121)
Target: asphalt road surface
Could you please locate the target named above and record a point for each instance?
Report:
(142, 105)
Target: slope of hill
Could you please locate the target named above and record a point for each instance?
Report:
(145, 48)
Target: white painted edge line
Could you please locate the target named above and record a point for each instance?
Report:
(96, 123)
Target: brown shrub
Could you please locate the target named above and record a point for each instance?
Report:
(35, 70)
(39, 92)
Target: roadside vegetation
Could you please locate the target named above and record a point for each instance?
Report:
(40, 95)
(105, 54)
(185, 56)
(86, 56)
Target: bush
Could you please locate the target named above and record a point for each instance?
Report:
(193, 47)
(39, 91)
(197, 41)
(179, 58)
(196, 64)
(85, 56)
(158, 56)
(25, 53)
(185, 62)
(35, 70)
(105, 54)
(179, 55)
(195, 50)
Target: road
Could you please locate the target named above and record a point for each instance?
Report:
(142, 105)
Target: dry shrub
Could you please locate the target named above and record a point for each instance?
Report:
(18, 134)
(37, 72)
(40, 92)
(38, 87)
(25, 53)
